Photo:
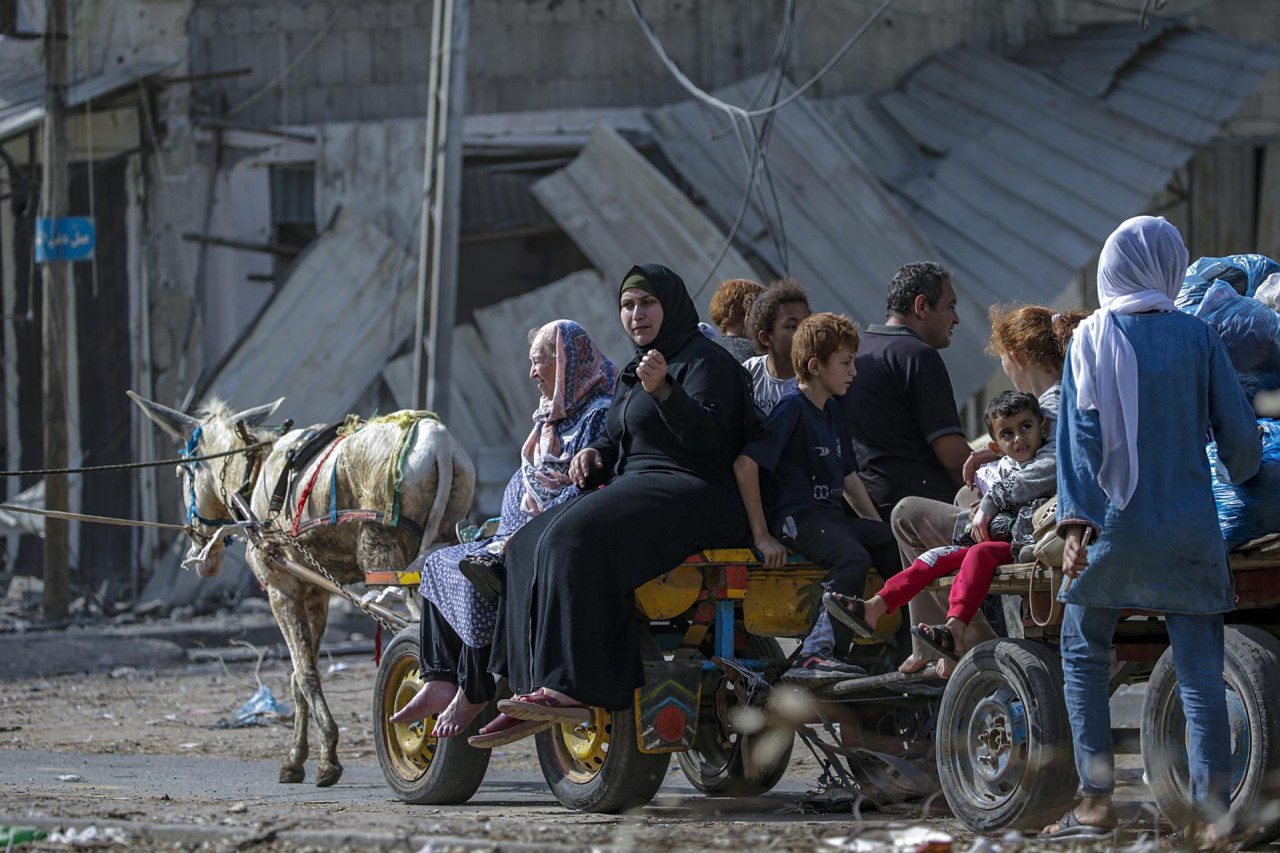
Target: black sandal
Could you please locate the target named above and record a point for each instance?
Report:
(487, 575)
(939, 638)
(851, 611)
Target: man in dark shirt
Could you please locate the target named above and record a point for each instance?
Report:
(901, 412)
(904, 427)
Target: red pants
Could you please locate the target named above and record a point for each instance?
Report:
(976, 565)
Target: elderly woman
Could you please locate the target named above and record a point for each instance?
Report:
(679, 418)
(576, 381)
(1144, 384)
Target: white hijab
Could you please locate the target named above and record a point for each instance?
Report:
(1140, 269)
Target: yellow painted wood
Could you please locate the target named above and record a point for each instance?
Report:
(670, 595)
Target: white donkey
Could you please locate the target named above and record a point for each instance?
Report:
(437, 484)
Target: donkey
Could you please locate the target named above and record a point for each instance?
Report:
(436, 489)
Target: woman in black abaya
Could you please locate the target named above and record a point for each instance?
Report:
(680, 415)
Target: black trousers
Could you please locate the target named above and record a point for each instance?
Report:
(444, 657)
(847, 546)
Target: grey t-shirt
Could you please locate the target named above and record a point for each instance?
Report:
(767, 389)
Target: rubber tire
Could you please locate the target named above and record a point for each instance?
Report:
(1252, 667)
(729, 779)
(456, 770)
(1048, 783)
(627, 780)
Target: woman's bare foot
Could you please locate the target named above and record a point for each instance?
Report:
(457, 717)
(432, 698)
(564, 698)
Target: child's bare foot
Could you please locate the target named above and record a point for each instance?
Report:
(457, 717)
(432, 698)
(913, 664)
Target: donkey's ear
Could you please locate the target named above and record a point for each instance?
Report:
(256, 416)
(172, 421)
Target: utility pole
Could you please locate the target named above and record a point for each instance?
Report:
(56, 295)
(442, 205)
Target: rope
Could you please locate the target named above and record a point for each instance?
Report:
(127, 466)
(101, 519)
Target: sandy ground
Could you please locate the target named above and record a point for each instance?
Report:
(88, 726)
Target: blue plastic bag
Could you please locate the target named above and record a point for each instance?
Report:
(1251, 509)
(1249, 329)
(1242, 272)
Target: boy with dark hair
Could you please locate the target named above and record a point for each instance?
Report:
(730, 308)
(774, 317)
(1027, 473)
(807, 451)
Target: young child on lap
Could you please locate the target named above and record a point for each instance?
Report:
(807, 451)
(1027, 472)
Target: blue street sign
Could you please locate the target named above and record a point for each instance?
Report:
(70, 238)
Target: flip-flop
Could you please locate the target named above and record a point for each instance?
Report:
(544, 708)
(504, 730)
(939, 638)
(851, 611)
(1070, 827)
(485, 575)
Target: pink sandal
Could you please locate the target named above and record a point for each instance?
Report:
(543, 708)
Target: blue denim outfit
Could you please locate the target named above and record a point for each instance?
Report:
(1164, 552)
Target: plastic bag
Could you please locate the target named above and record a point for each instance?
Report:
(1250, 329)
(1269, 291)
(1251, 509)
(1244, 273)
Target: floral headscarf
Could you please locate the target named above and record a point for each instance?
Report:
(584, 382)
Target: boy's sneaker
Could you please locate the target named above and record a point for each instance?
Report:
(822, 668)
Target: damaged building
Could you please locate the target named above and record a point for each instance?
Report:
(255, 172)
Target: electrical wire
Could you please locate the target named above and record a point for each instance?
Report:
(755, 154)
(288, 69)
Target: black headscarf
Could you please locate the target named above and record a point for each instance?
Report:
(679, 316)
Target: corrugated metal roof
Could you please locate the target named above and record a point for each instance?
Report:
(1025, 178)
(346, 307)
(846, 234)
(22, 104)
(622, 211)
(1182, 82)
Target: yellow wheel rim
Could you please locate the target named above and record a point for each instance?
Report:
(410, 746)
(584, 747)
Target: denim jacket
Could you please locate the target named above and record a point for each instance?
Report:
(1165, 551)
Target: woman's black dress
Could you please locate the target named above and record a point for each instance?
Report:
(571, 623)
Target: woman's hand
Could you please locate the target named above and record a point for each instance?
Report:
(772, 552)
(583, 465)
(652, 373)
(1075, 554)
(978, 526)
(976, 460)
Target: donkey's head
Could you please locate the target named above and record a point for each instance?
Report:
(207, 486)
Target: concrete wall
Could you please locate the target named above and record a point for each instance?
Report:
(369, 59)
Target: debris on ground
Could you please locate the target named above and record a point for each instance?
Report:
(12, 836)
(261, 708)
(90, 836)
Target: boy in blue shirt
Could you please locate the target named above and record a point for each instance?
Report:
(808, 454)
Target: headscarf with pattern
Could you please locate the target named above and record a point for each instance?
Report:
(584, 383)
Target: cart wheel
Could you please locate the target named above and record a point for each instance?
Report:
(1004, 739)
(418, 767)
(1252, 671)
(598, 766)
(724, 763)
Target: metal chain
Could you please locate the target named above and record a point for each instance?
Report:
(272, 533)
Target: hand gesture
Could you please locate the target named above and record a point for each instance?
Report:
(1075, 554)
(772, 552)
(583, 465)
(976, 460)
(978, 526)
(652, 373)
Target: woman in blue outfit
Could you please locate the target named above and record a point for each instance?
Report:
(1144, 384)
(576, 381)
